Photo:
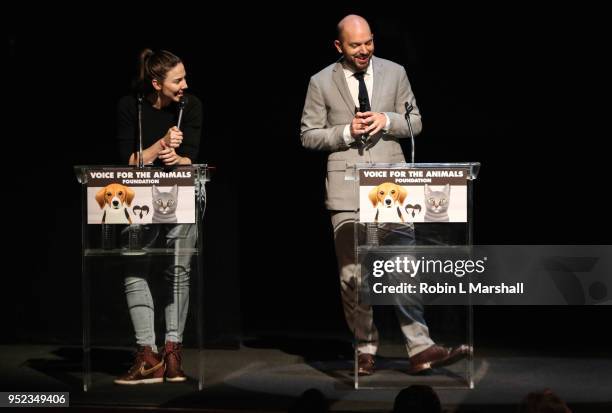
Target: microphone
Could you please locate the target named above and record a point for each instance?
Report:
(409, 108)
(181, 105)
(364, 106)
(139, 99)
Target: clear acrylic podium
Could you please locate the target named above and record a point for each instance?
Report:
(412, 211)
(140, 244)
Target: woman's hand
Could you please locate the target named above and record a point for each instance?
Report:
(173, 138)
(168, 155)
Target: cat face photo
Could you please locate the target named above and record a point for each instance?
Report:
(436, 204)
(164, 204)
(437, 201)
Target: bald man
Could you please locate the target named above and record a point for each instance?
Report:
(354, 110)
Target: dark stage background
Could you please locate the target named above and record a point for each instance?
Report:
(522, 95)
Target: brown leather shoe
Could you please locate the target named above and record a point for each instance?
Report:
(454, 355)
(148, 368)
(365, 364)
(437, 356)
(173, 357)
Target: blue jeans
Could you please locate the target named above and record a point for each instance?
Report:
(138, 294)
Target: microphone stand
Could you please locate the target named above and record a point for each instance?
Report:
(409, 109)
(140, 163)
(134, 230)
(108, 230)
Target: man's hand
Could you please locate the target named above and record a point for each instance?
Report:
(376, 122)
(367, 123)
(358, 125)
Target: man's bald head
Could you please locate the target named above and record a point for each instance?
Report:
(352, 23)
(355, 42)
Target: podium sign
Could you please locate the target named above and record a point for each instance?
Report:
(125, 195)
(408, 194)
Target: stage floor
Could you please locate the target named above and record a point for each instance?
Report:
(269, 380)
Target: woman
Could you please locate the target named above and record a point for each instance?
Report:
(161, 87)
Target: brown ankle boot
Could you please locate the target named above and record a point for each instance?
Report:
(173, 357)
(148, 368)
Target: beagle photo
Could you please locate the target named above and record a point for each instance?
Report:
(388, 198)
(114, 200)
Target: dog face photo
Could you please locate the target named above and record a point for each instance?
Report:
(388, 198)
(114, 200)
